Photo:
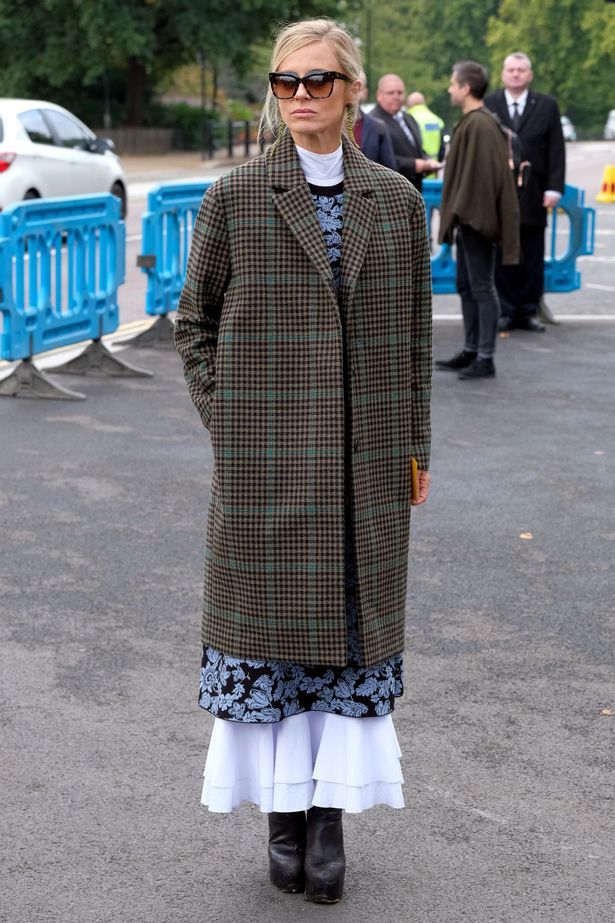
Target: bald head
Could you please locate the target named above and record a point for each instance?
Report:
(390, 93)
(415, 99)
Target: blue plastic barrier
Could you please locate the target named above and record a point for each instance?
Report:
(561, 274)
(443, 266)
(61, 263)
(172, 209)
(167, 232)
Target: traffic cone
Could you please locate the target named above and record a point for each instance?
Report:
(607, 191)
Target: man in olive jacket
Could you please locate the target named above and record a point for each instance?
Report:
(479, 200)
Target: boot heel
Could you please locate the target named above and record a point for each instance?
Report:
(325, 862)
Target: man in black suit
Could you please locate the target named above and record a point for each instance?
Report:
(536, 119)
(372, 135)
(412, 161)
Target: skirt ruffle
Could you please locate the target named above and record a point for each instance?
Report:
(314, 758)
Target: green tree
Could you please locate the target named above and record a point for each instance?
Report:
(572, 47)
(63, 43)
(421, 40)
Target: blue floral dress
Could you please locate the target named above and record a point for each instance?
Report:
(265, 691)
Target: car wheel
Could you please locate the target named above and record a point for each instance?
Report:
(32, 194)
(118, 190)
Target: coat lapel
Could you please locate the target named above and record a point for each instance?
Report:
(359, 215)
(291, 197)
(530, 109)
(502, 108)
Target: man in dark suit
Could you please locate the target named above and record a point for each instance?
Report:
(536, 119)
(372, 135)
(412, 161)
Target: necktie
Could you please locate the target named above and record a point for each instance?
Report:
(516, 117)
(404, 127)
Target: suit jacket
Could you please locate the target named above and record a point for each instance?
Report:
(540, 130)
(376, 142)
(405, 153)
(277, 364)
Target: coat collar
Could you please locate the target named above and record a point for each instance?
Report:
(285, 173)
(291, 196)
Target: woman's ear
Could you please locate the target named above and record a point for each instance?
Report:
(353, 91)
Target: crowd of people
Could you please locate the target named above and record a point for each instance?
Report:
(494, 215)
(304, 327)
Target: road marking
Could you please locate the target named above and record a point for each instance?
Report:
(600, 288)
(597, 259)
(134, 237)
(577, 318)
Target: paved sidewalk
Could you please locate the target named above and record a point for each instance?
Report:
(142, 168)
(507, 726)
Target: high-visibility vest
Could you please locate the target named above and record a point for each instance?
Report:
(431, 126)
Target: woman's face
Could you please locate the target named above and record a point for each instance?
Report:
(316, 124)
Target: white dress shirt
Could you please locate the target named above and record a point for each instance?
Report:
(510, 101)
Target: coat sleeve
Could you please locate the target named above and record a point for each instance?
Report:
(200, 303)
(556, 172)
(420, 350)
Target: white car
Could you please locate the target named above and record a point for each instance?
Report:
(609, 128)
(46, 152)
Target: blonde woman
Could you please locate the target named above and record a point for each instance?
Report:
(305, 331)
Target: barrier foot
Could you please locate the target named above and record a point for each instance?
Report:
(545, 314)
(27, 381)
(160, 333)
(97, 360)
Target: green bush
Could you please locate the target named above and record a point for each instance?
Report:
(185, 120)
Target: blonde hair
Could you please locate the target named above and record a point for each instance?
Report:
(296, 35)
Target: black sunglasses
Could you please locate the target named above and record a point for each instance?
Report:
(318, 84)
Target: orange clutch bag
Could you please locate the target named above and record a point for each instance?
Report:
(414, 476)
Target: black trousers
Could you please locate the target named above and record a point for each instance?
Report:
(480, 305)
(521, 287)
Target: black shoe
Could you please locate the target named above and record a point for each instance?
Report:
(480, 368)
(287, 836)
(325, 862)
(505, 324)
(461, 361)
(531, 323)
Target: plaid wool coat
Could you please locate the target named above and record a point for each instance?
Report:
(281, 368)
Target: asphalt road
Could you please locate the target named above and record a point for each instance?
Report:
(508, 724)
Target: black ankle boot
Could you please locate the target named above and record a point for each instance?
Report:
(325, 862)
(287, 850)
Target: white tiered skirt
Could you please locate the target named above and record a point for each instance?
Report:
(314, 758)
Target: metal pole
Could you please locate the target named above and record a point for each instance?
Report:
(230, 138)
(201, 60)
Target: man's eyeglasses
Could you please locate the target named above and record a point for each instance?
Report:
(318, 84)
